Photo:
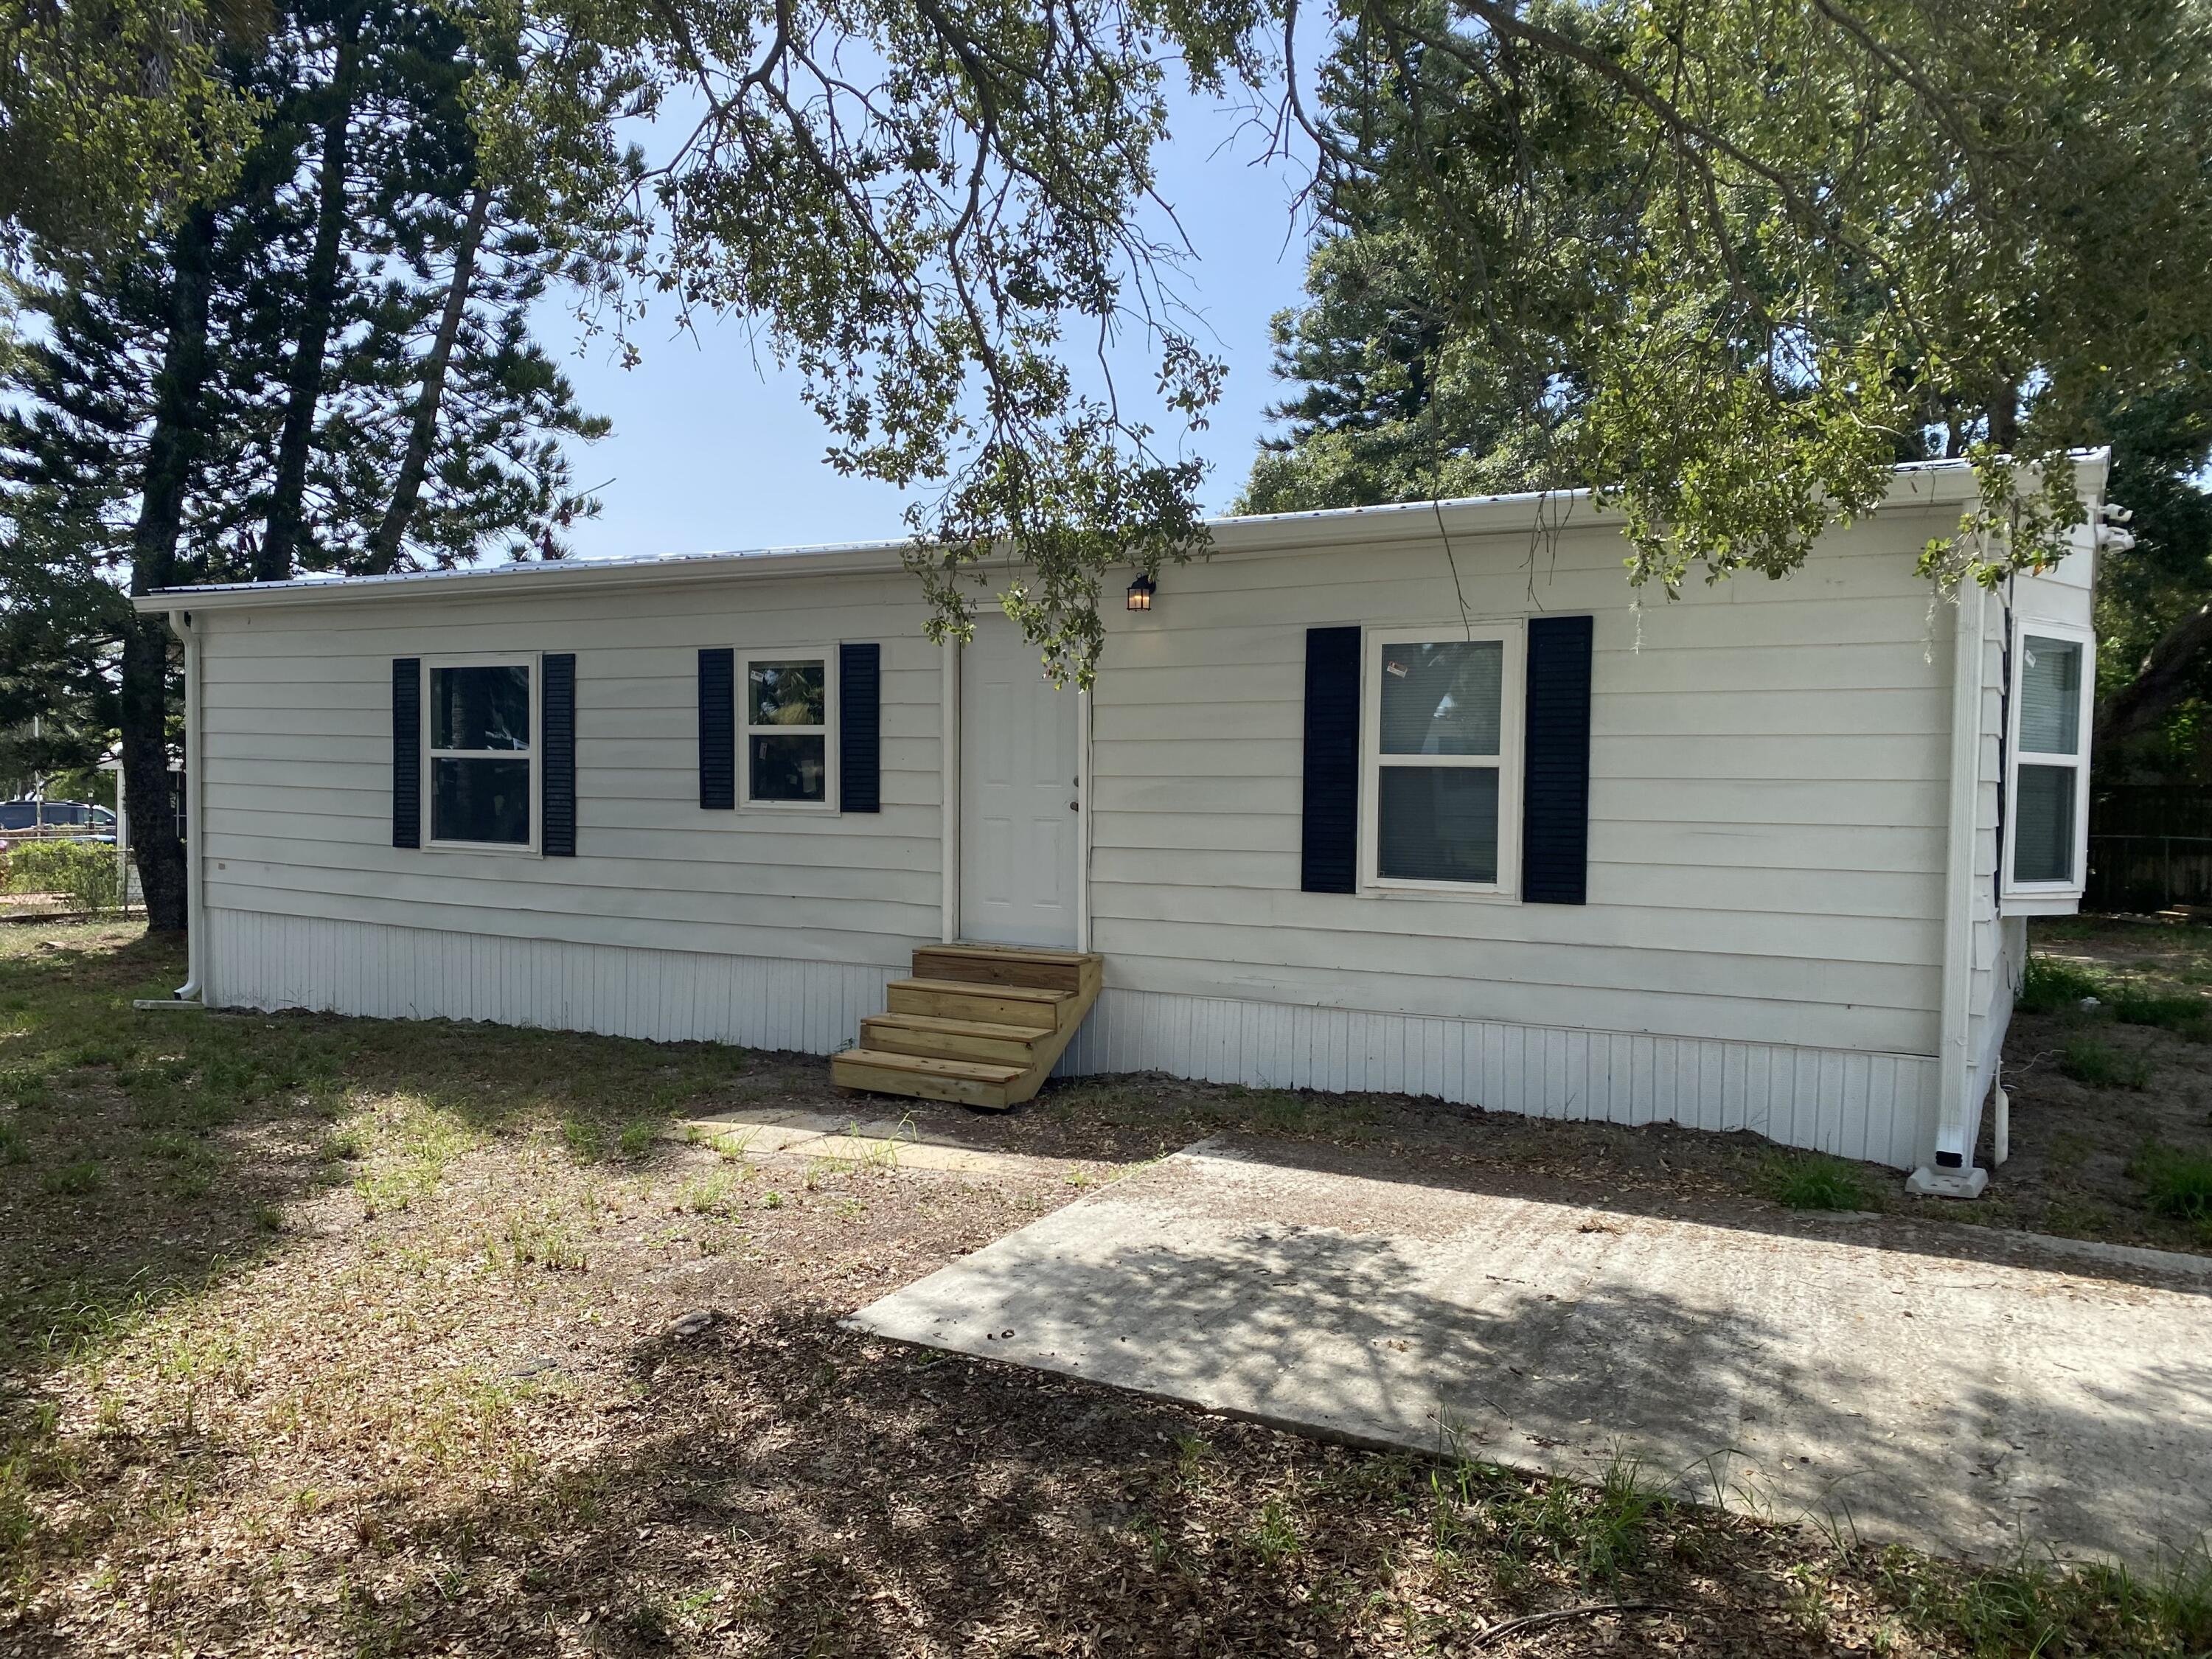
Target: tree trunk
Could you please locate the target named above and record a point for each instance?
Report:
(2168, 671)
(2004, 419)
(391, 530)
(273, 561)
(172, 446)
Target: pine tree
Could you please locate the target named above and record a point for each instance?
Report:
(235, 398)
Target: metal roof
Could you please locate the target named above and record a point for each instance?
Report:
(1926, 483)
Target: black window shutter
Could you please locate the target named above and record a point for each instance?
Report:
(1330, 860)
(557, 783)
(1555, 794)
(861, 729)
(718, 729)
(406, 752)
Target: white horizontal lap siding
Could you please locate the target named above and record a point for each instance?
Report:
(1765, 1000)
(1767, 801)
(297, 705)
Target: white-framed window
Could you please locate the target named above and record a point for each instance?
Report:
(480, 740)
(788, 729)
(1440, 758)
(2047, 782)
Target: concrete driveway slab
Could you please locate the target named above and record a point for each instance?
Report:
(1967, 1392)
(878, 1143)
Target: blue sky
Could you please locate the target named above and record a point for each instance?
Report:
(712, 450)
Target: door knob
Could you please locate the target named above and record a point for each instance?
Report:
(1075, 806)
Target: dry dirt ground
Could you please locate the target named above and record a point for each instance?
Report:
(2084, 1136)
(336, 1337)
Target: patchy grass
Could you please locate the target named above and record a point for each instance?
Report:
(2177, 1184)
(78, 1178)
(2039, 1606)
(1595, 1537)
(1815, 1181)
(2052, 985)
(362, 1344)
(2096, 1062)
(2182, 1012)
(2090, 1087)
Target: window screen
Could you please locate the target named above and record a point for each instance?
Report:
(787, 712)
(1439, 744)
(1440, 823)
(2050, 696)
(2043, 838)
(2047, 779)
(480, 754)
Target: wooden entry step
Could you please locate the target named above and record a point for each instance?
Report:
(982, 1025)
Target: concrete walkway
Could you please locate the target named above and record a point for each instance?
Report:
(1966, 1391)
(882, 1143)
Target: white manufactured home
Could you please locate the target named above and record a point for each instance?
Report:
(1405, 798)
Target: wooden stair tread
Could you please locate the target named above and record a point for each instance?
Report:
(1009, 953)
(1073, 971)
(975, 1071)
(978, 1023)
(945, 1027)
(968, 988)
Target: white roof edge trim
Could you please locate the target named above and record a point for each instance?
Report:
(1922, 484)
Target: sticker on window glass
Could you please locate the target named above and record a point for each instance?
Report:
(1444, 699)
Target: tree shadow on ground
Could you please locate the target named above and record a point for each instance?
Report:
(1604, 1166)
(146, 1155)
(779, 1486)
(1906, 1233)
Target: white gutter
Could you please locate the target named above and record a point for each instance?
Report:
(1920, 486)
(1953, 1174)
(193, 989)
(948, 816)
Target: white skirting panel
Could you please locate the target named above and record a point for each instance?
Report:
(1878, 1107)
(270, 962)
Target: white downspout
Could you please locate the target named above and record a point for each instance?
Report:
(1953, 1174)
(948, 815)
(193, 988)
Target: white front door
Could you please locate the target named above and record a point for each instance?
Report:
(1021, 812)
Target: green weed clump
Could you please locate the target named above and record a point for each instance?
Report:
(2050, 985)
(2097, 1063)
(1818, 1182)
(2047, 1607)
(2176, 1183)
(1598, 1534)
(2187, 1014)
(76, 1180)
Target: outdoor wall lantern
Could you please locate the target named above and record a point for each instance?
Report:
(1140, 593)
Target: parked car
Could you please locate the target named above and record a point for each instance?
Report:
(56, 817)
